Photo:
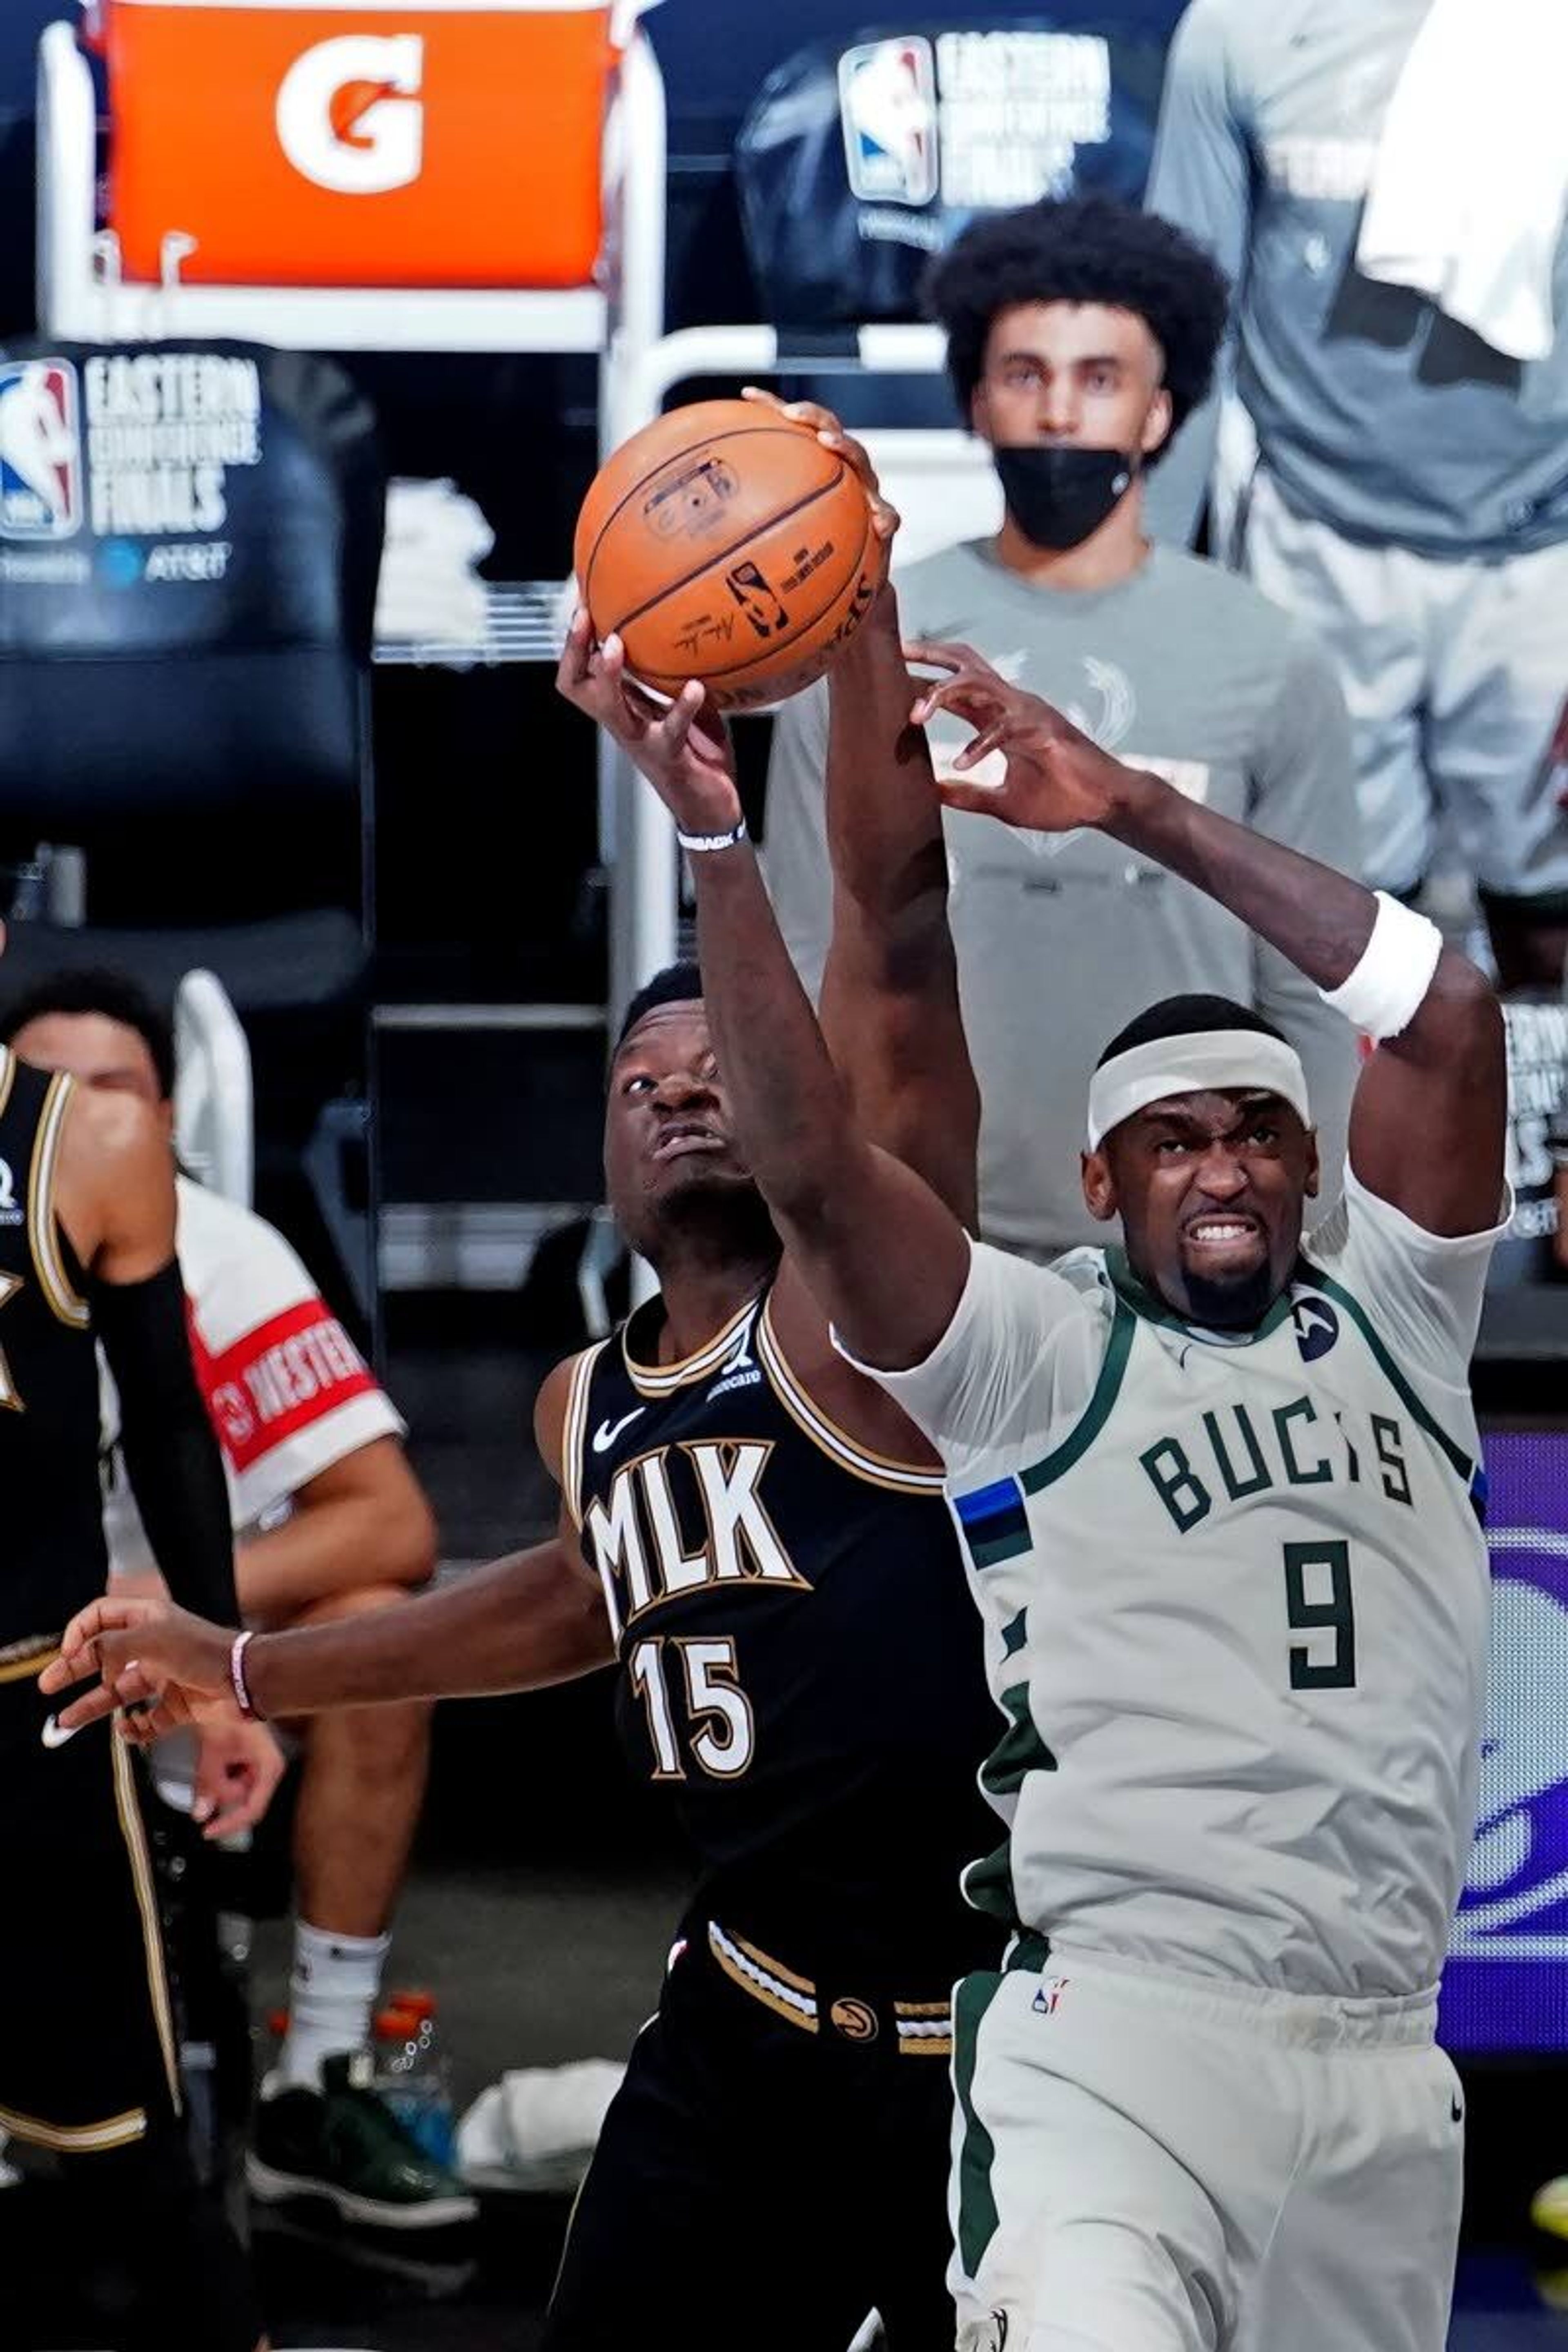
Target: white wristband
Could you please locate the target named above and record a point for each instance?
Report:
(1383, 994)
(701, 841)
(237, 1683)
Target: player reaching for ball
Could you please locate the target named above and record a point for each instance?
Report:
(1219, 1492)
(759, 1537)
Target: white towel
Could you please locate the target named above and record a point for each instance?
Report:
(429, 591)
(1472, 178)
(538, 2125)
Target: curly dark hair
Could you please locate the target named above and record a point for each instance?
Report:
(1083, 249)
(99, 989)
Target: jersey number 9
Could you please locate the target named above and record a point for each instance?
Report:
(1306, 1568)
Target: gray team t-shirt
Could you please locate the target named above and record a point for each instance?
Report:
(1374, 413)
(1063, 938)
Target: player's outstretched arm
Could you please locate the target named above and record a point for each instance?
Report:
(533, 1618)
(886, 1259)
(890, 1007)
(1428, 1120)
(515, 1624)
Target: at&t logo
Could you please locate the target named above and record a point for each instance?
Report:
(349, 113)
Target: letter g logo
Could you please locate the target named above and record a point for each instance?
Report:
(348, 113)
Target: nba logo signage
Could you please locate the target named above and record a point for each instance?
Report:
(886, 97)
(1505, 1986)
(40, 450)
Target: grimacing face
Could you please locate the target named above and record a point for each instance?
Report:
(667, 1122)
(1071, 372)
(101, 1053)
(1211, 1188)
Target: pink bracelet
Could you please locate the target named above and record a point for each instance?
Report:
(237, 1676)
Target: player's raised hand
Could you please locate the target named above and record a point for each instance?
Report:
(680, 747)
(811, 418)
(169, 1666)
(1056, 779)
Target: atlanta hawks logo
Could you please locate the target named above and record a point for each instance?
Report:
(854, 2019)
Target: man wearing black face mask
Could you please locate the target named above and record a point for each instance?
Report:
(1079, 335)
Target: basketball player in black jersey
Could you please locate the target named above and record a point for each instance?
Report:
(88, 2062)
(759, 1539)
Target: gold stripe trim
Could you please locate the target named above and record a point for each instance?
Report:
(28, 1669)
(576, 1429)
(774, 1968)
(760, 1992)
(661, 1379)
(43, 1232)
(147, 1903)
(912, 2040)
(899, 1478)
(76, 2139)
(7, 1073)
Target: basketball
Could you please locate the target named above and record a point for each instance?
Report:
(726, 544)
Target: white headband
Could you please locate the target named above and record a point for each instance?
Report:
(1206, 1061)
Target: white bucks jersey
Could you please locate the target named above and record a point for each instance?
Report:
(1236, 1598)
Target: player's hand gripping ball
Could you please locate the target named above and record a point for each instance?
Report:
(741, 543)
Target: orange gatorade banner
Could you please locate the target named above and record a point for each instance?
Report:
(446, 145)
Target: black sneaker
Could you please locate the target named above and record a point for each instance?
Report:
(342, 2143)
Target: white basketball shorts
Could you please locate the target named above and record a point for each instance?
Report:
(1148, 2163)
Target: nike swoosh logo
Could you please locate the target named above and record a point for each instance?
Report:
(605, 1437)
(53, 1737)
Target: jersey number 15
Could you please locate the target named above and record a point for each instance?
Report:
(719, 1713)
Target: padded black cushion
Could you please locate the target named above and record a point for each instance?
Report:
(862, 157)
(189, 541)
(298, 963)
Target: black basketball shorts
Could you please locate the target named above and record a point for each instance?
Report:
(756, 2183)
(88, 2059)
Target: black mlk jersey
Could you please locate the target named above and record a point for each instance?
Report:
(53, 1560)
(800, 1661)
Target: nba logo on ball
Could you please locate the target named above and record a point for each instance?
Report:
(751, 590)
(886, 100)
(40, 450)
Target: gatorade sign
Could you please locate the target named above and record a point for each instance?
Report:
(411, 143)
(349, 116)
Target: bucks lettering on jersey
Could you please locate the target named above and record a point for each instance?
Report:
(54, 1560)
(799, 1660)
(1236, 1594)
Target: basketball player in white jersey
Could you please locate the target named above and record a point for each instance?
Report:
(1218, 1492)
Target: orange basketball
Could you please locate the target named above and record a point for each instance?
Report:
(724, 543)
